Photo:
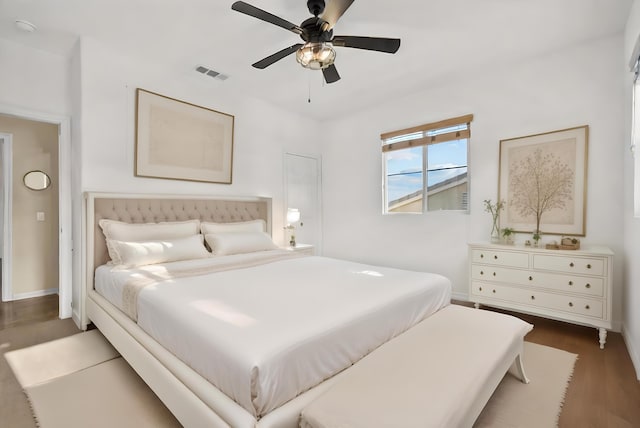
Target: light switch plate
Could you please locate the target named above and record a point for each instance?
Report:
(40, 216)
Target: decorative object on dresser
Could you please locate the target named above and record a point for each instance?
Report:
(573, 286)
(494, 210)
(543, 180)
(182, 141)
(508, 235)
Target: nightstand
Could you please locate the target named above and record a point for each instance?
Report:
(302, 248)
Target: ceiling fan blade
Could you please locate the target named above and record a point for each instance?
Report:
(334, 10)
(331, 74)
(247, 9)
(266, 62)
(379, 44)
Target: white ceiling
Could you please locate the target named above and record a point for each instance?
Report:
(439, 37)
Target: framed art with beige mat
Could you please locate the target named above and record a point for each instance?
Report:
(81, 381)
(543, 181)
(182, 141)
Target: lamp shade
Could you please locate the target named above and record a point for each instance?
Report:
(316, 56)
(293, 215)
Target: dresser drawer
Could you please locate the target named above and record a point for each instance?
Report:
(537, 299)
(588, 286)
(503, 258)
(585, 285)
(568, 264)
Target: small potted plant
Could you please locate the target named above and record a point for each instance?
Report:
(536, 238)
(508, 234)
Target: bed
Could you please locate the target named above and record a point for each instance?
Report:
(240, 339)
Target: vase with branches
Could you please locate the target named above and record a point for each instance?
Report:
(494, 210)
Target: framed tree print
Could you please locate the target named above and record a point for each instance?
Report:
(182, 141)
(543, 181)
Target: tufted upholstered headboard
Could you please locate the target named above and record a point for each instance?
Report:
(157, 208)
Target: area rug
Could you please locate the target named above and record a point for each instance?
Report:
(537, 404)
(80, 381)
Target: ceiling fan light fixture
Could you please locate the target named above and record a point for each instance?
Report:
(316, 56)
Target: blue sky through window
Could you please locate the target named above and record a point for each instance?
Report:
(404, 167)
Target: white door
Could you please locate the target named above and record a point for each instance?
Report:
(302, 189)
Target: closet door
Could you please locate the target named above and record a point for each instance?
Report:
(302, 190)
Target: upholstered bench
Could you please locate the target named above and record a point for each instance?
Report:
(440, 373)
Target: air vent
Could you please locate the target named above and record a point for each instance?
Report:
(211, 73)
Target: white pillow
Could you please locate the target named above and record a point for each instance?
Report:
(222, 244)
(240, 226)
(132, 254)
(122, 231)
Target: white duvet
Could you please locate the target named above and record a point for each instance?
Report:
(266, 333)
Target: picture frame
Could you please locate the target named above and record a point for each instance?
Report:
(543, 182)
(178, 140)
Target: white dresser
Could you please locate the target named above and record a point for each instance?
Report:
(573, 286)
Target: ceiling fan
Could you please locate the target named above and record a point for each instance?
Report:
(317, 52)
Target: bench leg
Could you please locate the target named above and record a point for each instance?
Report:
(520, 369)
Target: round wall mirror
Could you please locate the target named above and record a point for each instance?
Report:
(36, 180)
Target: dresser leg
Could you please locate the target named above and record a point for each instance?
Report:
(476, 305)
(603, 337)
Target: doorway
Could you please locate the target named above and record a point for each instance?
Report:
(302, 190)
(63, 244)
(6, 141)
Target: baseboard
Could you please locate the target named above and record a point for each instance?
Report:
(456, 295)
(635, 359)
(37, 293)
(75, 316)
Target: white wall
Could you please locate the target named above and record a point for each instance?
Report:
(579, 86)
(106, 107)
(33, 79)
(631, 294)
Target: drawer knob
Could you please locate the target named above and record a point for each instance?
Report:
(587, 307)
(494, 274)
(571, 304)
(495, 257)
(494, 291)
(482, 256)
(480, 288)
(570, 282)
(530, 278)
(533, 297)
(588, 266)
(481, 272)
(588, 285)
(571, 264)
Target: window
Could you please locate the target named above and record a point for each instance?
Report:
(432, 157)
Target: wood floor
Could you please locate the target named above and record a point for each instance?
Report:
(26, 311)
(603, 393)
